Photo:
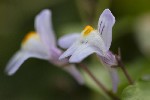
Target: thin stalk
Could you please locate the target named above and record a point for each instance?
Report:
(100, 85)
(122, 66)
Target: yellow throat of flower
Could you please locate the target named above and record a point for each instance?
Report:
(29, 35)
(87, 30)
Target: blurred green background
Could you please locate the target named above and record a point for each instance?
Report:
(39, 80)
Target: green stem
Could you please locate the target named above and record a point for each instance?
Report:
(122, 66)
(100, 85)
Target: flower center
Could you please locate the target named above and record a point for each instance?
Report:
(87, 30)
(30, 35)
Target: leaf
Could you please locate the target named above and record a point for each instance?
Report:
(139, 91)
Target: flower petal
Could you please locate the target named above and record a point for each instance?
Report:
(82, 52)
(95, 40)
(75, 73)
(43, 26)
(31, 47)
(70, 50)
(18, 59)
(32, 44)
(15, 62)
(105, 24)
(67, 40)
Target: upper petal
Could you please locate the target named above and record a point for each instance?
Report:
(105, 24)
(43, 26)
(67, 40)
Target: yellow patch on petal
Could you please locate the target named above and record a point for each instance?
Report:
(87, 30)
(29, 36)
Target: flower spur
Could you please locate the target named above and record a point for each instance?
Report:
(42, 45)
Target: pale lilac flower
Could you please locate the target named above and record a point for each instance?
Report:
(95, 41)
(41, 44)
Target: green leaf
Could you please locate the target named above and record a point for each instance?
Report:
(139, 91)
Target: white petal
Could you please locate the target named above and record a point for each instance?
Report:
(105, 24)
(69, 51)
(33, 45)
(15, 62)
(67, 40)
(96, 41)
(75, 73)
(82, 52)
(18, 59)
(43, 26)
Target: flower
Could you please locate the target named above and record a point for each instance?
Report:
(95, 41)
(41, 44)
